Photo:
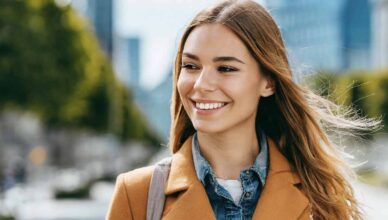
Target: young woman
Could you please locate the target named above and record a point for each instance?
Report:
(247, 142)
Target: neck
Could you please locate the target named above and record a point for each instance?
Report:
(229, 152)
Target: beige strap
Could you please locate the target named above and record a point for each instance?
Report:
(156, 195)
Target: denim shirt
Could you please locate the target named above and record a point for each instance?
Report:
(252, 181)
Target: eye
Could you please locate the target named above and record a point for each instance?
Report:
(189, 66)
(226, 69)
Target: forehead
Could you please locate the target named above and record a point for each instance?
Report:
(215, 40)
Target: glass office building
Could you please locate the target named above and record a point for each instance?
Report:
(333, 35)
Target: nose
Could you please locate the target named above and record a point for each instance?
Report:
(206, 81)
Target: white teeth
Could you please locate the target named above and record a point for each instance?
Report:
(207, 106)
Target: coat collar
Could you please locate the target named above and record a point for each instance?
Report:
(280, 199)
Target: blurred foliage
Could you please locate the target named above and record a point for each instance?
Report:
(366, 91)
(372, 177)
(51, 64)
(6, 217)
(82, 192)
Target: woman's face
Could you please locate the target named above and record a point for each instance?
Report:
(220, 82)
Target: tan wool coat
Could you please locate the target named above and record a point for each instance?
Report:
(281, 198)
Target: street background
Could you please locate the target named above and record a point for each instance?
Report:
(85, 88)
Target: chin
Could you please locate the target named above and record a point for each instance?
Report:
(208, 129)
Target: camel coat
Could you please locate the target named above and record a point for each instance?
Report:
(186, 198)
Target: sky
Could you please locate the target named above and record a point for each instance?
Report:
(159, 24)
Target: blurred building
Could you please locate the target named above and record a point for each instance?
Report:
(158, 107)
(380, 33)
(334, 35)
(154, 103)
(356, 34)
(133, 48)
(100, 15)
(127, 60)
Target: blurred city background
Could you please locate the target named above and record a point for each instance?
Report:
(85, 91)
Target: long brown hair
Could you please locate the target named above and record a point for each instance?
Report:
(294, 117)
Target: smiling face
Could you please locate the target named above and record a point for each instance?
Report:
(220, 82)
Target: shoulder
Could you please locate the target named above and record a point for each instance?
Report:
(136, 178)
(135, 183)
(129, 200)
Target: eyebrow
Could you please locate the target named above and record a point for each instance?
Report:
(216, 59)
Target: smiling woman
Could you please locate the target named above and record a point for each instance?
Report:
(227, 77)
(247, 141)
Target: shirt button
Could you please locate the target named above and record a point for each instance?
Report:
(248, 194)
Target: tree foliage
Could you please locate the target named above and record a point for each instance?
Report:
(365, 91)
(51, 63)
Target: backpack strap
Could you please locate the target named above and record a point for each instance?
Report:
(156, 197)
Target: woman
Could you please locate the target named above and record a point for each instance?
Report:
(247, 142)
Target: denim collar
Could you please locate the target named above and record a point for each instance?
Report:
(203, 168)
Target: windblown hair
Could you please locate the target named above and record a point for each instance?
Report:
(294, 117)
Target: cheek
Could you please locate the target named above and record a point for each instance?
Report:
(184, 85)
(243, 94)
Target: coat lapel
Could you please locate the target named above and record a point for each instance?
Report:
(192, 202)
(280, 198)
(187, 198)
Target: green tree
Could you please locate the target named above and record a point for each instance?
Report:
(384, 104)
(51, 63)
(358, 97)
(323, 82)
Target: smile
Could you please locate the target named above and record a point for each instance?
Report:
(208, 106)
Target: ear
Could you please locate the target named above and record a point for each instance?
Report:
(268, 88)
